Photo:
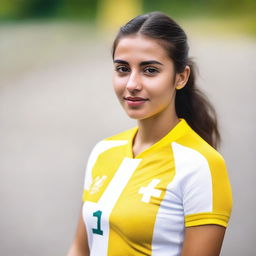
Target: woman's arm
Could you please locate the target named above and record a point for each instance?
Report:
(205, 240)
(79, 246)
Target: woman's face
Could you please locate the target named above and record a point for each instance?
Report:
(144, 79)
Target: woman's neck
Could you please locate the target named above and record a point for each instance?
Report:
(152, 130)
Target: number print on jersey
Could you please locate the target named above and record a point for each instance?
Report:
(98, 230)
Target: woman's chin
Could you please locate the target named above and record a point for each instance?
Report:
(137, 116)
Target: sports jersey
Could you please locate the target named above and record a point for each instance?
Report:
(141, 205)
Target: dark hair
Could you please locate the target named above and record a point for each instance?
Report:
(190, 103)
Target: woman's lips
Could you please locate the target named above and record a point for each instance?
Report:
(135, 101)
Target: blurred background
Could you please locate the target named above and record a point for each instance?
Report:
(56, 102)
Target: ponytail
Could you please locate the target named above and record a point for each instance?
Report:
(192, 105)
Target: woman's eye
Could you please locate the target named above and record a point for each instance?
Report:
(122, 69)
(150, 70)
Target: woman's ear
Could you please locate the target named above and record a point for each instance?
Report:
(182, 78)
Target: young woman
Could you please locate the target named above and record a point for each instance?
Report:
(160, 188)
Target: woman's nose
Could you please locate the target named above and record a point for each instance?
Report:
(134, 82)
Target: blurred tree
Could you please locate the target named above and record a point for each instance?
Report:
(231, 7)
(80, 9)
(109, 10)
(177, 8)
(199, 7)
(40, 8)
(9, 9)
(19, 9)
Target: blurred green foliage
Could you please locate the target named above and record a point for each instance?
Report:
(238, 15)
(87, 9)
(27, 9)
(201, 7)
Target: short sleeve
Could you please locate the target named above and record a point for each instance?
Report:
(205, 187)
(207, 195)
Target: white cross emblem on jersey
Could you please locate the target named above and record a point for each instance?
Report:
(150, 191)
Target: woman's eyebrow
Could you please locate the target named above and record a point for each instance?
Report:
(143, 63)
(148, 62)
(121, 62)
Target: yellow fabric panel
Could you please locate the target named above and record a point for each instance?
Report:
(206, 218)
(178, 131)
(104, 160)
(133, 220)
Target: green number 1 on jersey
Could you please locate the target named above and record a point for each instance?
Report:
(97, 230)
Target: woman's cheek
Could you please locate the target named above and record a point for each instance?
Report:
(119, 84)
(119, 90)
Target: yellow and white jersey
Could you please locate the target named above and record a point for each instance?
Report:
(136, 206)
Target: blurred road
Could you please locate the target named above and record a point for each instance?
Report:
(56, 102)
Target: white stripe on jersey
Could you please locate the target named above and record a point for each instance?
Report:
(99, 243)
(191, 168)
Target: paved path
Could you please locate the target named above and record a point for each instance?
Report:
(56, 102)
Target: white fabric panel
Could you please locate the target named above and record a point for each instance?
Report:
(99, 148)
(169, 226)
(189, 192)
(195, 179)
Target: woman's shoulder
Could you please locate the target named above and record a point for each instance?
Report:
(124, 135)
(193, 142)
